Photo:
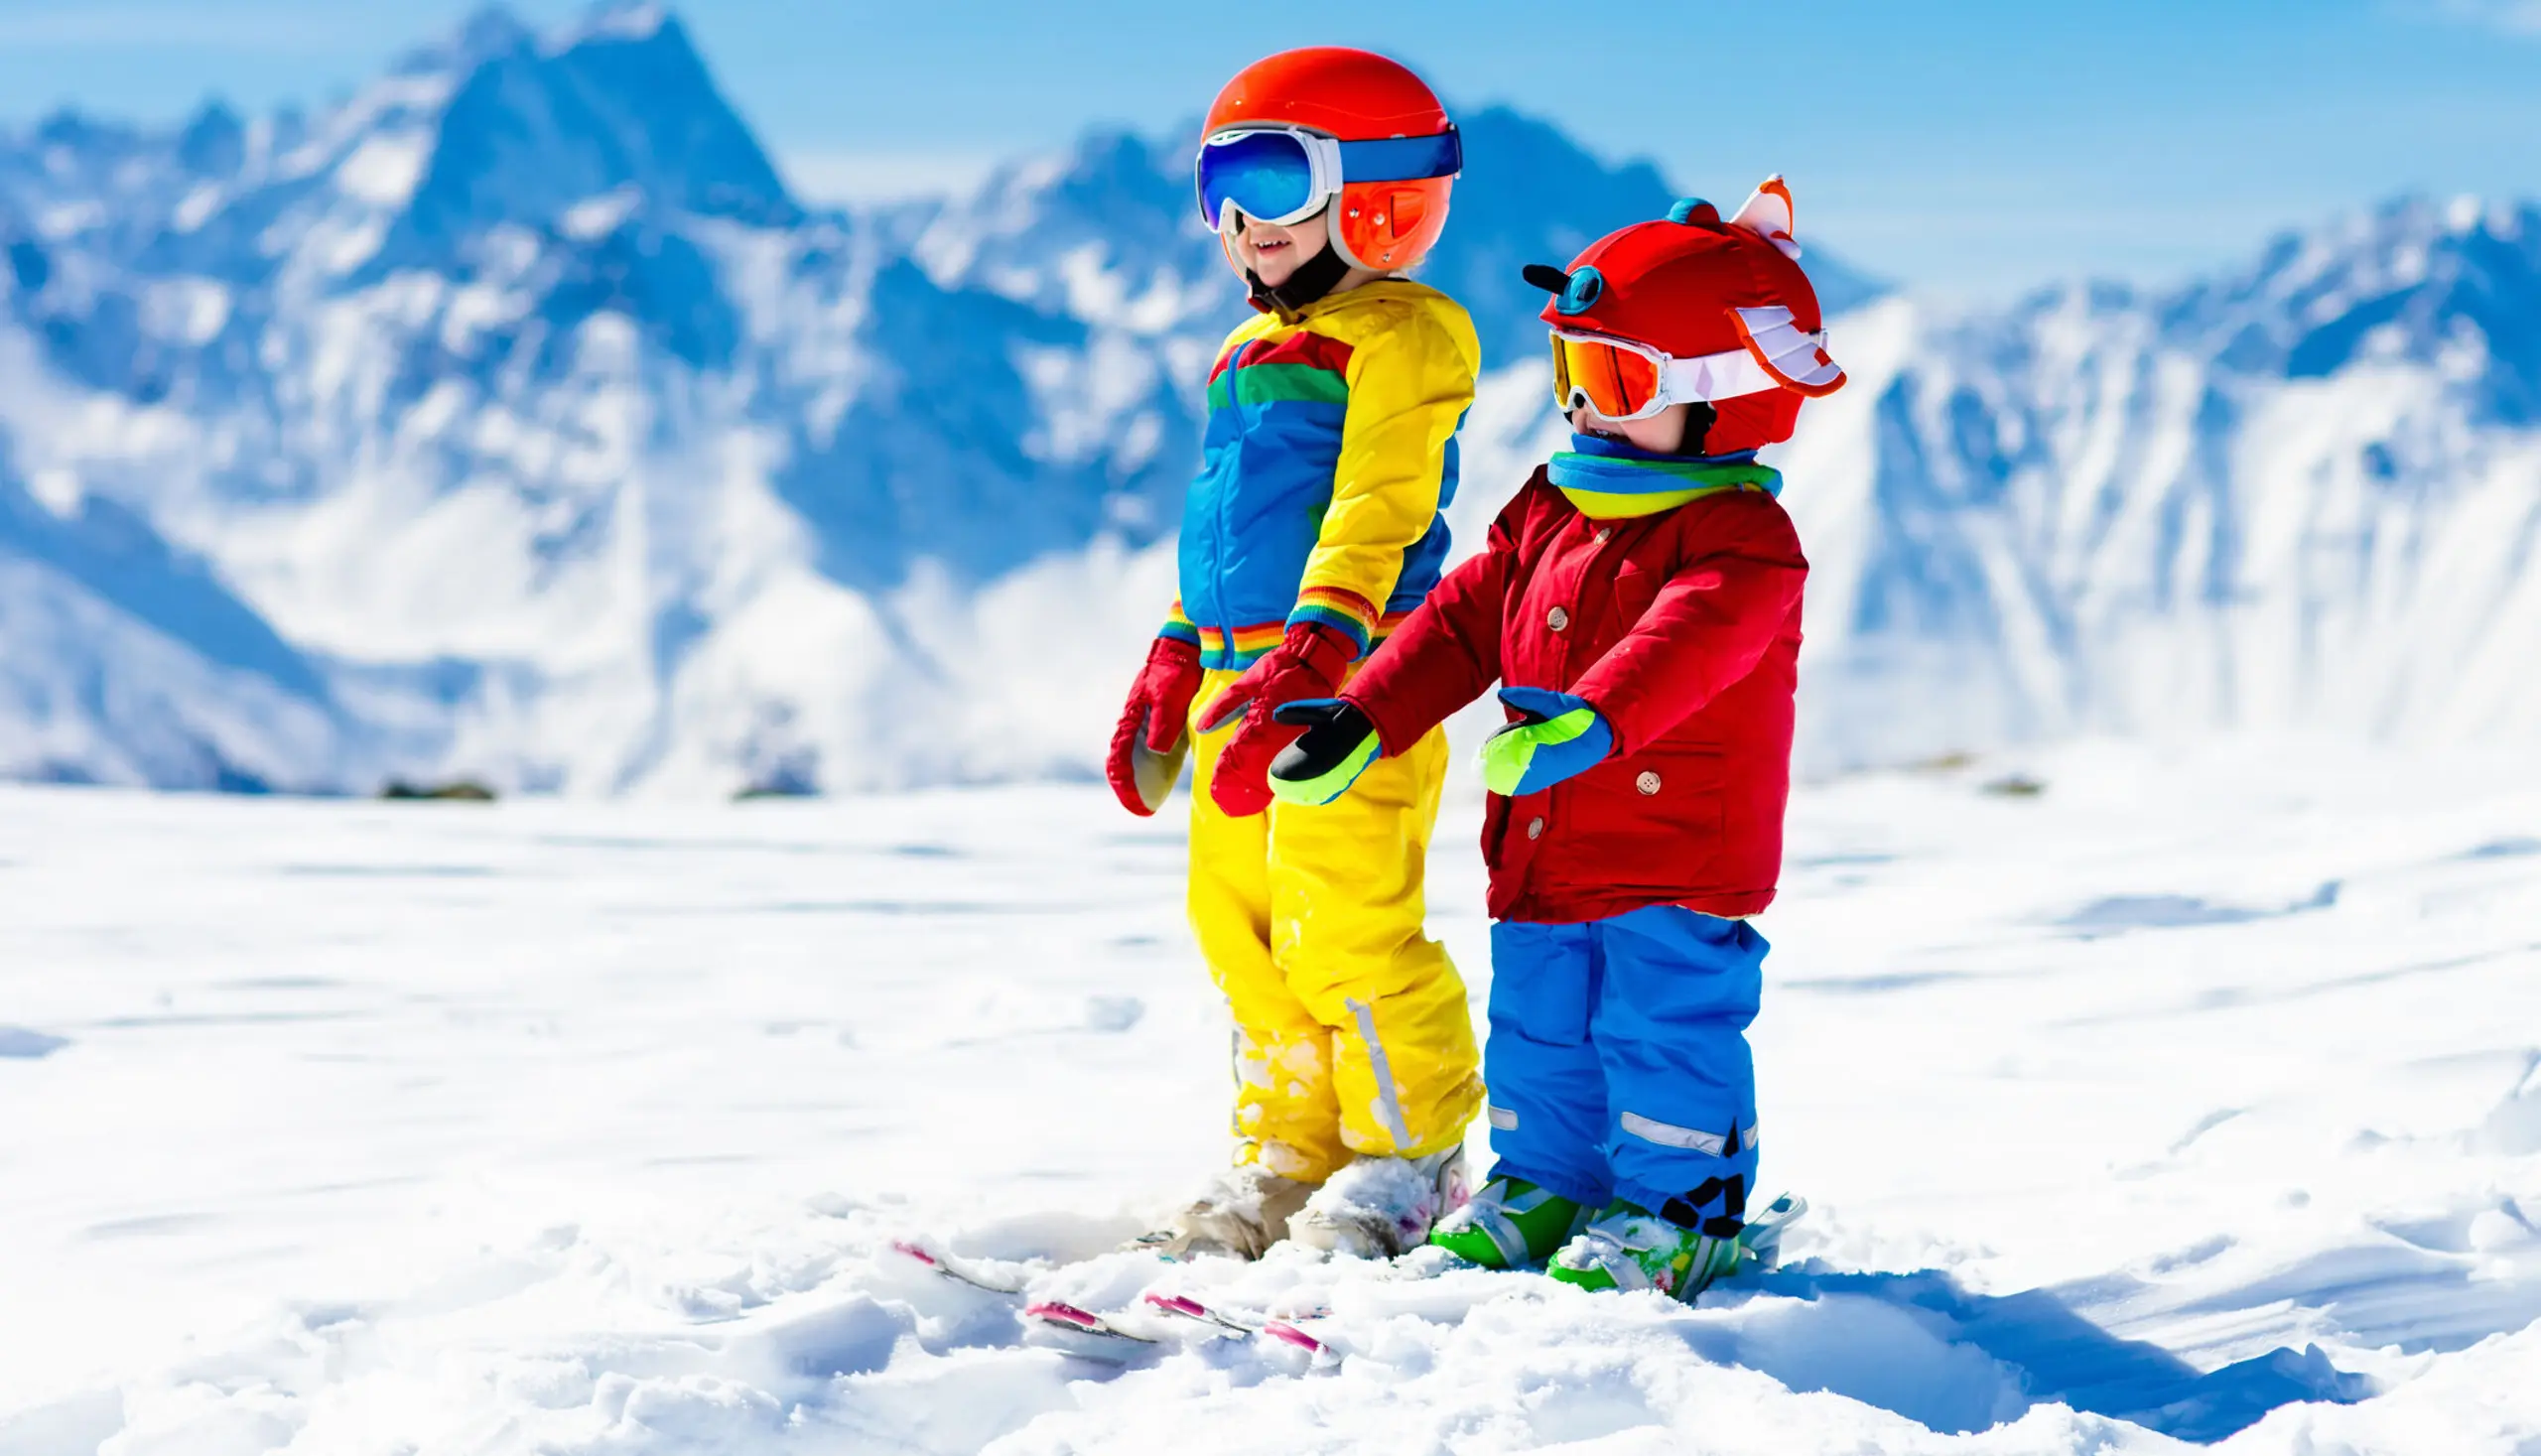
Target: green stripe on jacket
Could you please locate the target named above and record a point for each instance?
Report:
(1276, 383)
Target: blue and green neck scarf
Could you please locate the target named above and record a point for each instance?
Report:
(1608, 479)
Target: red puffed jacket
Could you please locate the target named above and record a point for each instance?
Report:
(1682, 630)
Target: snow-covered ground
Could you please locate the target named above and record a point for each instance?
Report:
(2204, 1085)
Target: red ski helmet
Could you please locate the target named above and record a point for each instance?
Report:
(1726, 295)
(1388, 221)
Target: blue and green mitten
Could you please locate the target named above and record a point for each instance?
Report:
(1336, 747)
(1557, 735)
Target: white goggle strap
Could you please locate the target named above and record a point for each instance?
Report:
(1717, 376)
(1777, 355)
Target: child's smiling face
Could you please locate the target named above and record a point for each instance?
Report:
(1274, 252)
(1661, 434)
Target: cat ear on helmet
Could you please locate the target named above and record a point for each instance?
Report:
(1766, 213)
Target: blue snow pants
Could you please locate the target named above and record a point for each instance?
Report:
(1618, 1063)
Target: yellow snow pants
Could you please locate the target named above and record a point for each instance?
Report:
(1352, 1033)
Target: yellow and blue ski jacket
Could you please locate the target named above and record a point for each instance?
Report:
(1329, 454)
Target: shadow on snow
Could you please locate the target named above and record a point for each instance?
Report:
(1987, 1359)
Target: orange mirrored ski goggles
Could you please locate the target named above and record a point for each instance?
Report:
(1619, 380)
(1624, 381)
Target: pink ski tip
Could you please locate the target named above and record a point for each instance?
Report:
(1179, 1304)
(1279, 1329)
(1062, 1314)
(915, 1251)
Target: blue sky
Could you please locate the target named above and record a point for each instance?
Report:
(1972, 146)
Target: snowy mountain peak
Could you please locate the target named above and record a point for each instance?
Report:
(621, 100)
(213, 142)
(489, 31)
(2297, 497)
(632, 20)
(2450, 284)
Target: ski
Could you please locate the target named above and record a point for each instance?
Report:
(975, 1273)
(1059, 1326)
(1050, 1323)
(1185, 1307)
(1225, 1324)
(1761, 1239)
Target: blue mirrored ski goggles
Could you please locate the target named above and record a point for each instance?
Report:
(1281, 175)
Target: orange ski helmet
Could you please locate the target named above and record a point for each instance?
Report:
(1399, 154)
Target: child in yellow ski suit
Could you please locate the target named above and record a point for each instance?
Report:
(1313, 528)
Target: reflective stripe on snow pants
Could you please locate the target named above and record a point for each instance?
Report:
(1356, 1036)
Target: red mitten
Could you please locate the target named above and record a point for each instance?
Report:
(1146, 748)
(1309, 664)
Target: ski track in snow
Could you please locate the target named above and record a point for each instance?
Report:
(2197, 1100)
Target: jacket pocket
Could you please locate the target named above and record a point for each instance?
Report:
(1655, 821)
(1635, 590)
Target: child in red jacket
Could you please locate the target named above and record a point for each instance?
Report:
(1639, 604)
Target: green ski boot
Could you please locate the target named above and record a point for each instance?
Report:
(1628, 1248)
(1509, 1224)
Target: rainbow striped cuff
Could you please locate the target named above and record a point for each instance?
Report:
(1179, 626)
(1343, 610)
(1246, 647)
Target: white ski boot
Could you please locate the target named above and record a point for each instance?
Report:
(1382, 1207)
(1243, 1211)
